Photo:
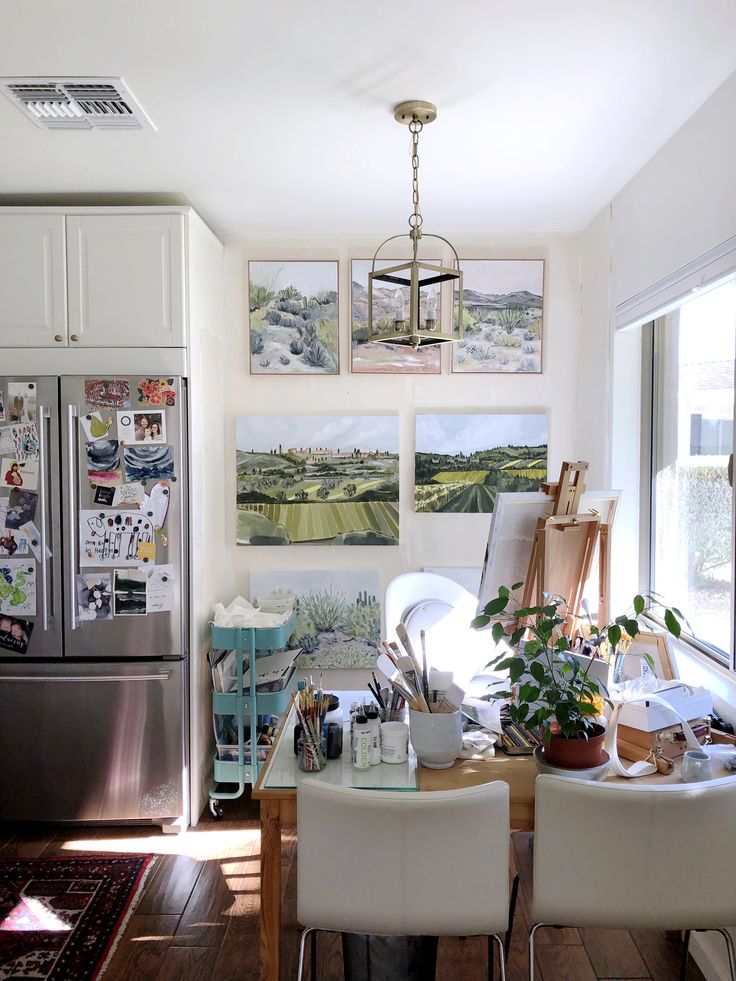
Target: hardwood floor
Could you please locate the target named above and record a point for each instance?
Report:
(198, 918)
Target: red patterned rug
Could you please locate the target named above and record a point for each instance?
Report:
(60, 918)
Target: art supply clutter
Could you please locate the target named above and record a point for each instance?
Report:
(311, 706)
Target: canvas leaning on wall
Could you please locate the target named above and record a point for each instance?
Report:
(463, 461)
(338, 622)
(331, 480)
(503, 301)
(293, 318)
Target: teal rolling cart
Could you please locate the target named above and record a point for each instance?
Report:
(242, 705)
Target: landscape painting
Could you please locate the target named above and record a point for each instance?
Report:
(293, 318)
(373, 356)
(338, 622)
(502, 316)
(331, 480)
(463, 461)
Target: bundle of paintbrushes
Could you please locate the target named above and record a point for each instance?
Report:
(390, 701)
(424, 689)
(311, 705)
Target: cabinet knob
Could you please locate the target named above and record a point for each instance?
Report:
(74, 337)
(58, 338)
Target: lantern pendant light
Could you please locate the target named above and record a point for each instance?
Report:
(421, 327)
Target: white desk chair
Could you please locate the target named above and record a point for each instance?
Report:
(635, 855)
(403, 864)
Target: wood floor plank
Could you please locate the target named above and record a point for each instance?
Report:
(204, 922)
(142, 948)
(31, 843)
(170, 890)
(187, 964)
(613, 954)
(564, 963)
(662, 956)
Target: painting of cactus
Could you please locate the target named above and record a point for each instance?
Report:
(293, 318)
(338, 623)
(502, 316)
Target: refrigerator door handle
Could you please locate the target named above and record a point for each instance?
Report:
(86, 678)
(72, 467)
(44, 415)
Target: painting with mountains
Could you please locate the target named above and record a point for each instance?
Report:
(374, 356)
(293, 318)
(463, 461)
(502, 316)
(331, 480)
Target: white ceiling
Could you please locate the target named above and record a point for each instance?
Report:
(274, 116)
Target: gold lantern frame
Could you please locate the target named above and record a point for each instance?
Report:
(416, 274)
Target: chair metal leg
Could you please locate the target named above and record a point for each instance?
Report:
(313, 945)
(531, 948)
(512, 912)
(685, 952)
(501, 959)
(302, 945)
(731, 951)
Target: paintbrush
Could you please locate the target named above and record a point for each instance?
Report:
(425, 673)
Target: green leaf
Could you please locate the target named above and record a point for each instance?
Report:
(517, 635)
(562, 644)
(528, 692)
(522, 712)
(639, 604)
(498, 632)
(503, 590)
(649, 659)
(673, 624)
(496, 606)
(538, 672)
(506, 663)
(677, 613)
(632, 627)
(516, 668)
(480, 621)
(587, 709)
(517, 585)
(614, 635)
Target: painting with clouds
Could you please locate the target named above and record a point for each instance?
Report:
(462, 461)
(331, 480)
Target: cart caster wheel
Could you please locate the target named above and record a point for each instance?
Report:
(216, 809)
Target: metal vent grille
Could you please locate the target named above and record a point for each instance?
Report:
(77, 103)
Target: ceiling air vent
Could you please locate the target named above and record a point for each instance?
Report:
(76, 103)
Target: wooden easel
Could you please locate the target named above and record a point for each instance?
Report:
(564, 547)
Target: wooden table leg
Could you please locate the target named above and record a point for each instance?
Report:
(270, 889)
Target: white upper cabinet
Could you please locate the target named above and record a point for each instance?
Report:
(32, 280)
(126, 280)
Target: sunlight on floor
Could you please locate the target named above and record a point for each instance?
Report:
(31, 915)
(200, 845)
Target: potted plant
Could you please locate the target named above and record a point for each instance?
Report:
(548, 688)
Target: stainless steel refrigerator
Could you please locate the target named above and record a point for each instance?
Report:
(93, 599)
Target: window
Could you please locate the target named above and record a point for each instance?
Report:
(692, 527)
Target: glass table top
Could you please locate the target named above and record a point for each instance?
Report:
(283, 773)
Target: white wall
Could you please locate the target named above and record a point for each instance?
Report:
(426, 539)
(681, 204)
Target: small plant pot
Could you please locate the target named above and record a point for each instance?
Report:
(576, 754)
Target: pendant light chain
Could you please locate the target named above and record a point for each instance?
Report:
(415, 219)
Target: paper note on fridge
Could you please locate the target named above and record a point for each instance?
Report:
(129, 494)
(33, 537)
(111, 538)
(161, 589)
(18, 587)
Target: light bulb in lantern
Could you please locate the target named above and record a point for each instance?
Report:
(399, 316)
(431, 310)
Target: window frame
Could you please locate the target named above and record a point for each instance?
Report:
(651, 332)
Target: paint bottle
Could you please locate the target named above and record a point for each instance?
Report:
(362, 743)
(375, 723)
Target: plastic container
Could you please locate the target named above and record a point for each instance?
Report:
(362, 743)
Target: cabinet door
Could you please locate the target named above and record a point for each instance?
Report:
(126, 280)
(32, 281)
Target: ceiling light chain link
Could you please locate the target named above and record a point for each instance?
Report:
(415, 219)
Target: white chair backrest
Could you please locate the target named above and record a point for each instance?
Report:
(380, 862)
(624, 855)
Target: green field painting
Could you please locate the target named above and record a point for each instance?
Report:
(330, 480)
(463, 461)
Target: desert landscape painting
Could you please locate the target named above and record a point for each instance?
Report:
(462, 461)
(330, 480)
(293, 318)
(502, 316)
(338, 621)
(373, 356)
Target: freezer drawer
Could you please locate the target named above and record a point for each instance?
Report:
(93, 741)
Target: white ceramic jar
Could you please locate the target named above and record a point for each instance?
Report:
(437, 737)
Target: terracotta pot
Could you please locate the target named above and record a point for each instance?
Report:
(578, 753)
